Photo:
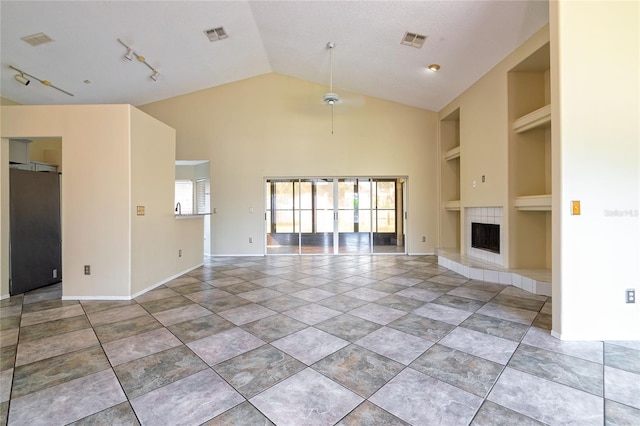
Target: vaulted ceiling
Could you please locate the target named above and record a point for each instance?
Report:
(466, 38)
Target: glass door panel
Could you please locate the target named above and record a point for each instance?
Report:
(388, 227)
(351, 238)
(281, 218)
(317, 235)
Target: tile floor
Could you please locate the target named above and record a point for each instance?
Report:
(356, 340)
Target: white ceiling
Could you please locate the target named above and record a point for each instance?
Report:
(467, 38)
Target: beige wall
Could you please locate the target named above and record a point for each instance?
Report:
(97, 195)
(6, 101)
(95, 190)
(597, 160)
(48, 150)
(274, 125)
(157, 236)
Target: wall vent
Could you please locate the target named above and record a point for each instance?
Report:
(37, 39)
(413, 40)
(215, 34)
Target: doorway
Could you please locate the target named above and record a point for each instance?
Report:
(34, 227)
(355, 215)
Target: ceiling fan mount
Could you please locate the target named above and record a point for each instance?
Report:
(331, 98)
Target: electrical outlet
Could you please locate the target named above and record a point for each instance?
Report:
(250, 240)
(87, 269)
(55, 273)
(424, 239)
(180, 253)
(631, 295)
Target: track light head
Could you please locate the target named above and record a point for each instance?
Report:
(20, 78)
(129, 54)
(154, 76)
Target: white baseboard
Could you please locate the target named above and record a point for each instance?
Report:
(238, 255)
(166, 280)
(96, 298)
(151, 287)
(4, 296)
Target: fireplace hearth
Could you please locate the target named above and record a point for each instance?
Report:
(485, 236)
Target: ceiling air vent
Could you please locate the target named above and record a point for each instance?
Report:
(37, 39)
(215, 34)
(413, 40)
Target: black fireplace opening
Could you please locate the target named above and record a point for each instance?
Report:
(485, 236)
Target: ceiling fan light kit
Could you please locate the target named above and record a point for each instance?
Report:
(130, 54)
(330, 98)
(20, 78)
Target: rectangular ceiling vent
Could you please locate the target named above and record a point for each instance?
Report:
(215, 34)
(413, 40)
(37, 39)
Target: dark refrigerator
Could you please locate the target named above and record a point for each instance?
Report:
(35, 231)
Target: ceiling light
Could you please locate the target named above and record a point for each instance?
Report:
(433, 67)
(130, 54)
(20, 78)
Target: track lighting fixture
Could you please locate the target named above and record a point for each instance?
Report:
(20, 78)
(130, 54)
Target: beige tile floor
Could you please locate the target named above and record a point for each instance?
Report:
(318, 340)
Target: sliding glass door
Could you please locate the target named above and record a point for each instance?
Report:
(335, 215)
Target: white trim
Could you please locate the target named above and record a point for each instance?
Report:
(419, 254)
(96, 298)
(5, 296)
(240, 255)
(606, 335)
(166, 280)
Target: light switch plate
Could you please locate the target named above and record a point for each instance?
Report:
(575, 208)
(140, 211)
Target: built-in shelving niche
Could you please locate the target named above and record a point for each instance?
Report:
(530, 162)
(450, 180)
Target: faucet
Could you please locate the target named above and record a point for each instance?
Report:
(179, 208)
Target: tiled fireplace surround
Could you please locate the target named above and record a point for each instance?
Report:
(483, 265)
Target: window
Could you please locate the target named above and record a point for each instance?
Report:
(201, 196)
(184, 196)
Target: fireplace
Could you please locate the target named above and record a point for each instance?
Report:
(485, 236)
